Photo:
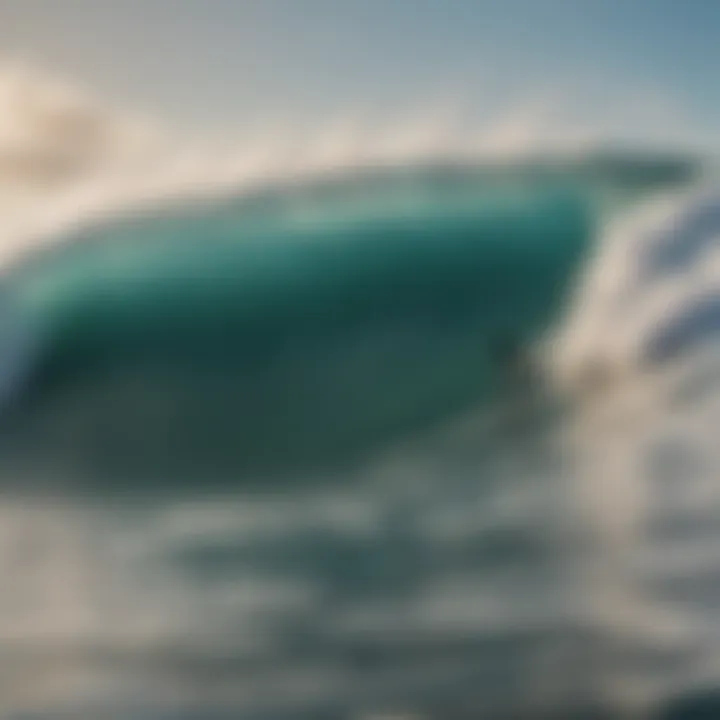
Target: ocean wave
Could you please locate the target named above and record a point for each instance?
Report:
(151, 198)
(559, 559)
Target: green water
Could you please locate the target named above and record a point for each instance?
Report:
(270, 341)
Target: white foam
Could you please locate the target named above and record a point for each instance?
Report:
(628, 300)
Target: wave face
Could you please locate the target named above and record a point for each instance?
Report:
(295, 329)
(482, 543)
(287, 333)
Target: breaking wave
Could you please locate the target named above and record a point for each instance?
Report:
(565, 561)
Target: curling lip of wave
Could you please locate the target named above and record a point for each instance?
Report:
(67, 157)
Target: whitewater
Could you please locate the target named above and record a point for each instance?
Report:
(561, 561)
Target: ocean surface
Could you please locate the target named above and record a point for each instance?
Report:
(552, 553)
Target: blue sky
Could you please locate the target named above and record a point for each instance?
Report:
(217, 63)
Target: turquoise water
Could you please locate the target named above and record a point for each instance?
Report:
(277, 456)
(253, 342)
